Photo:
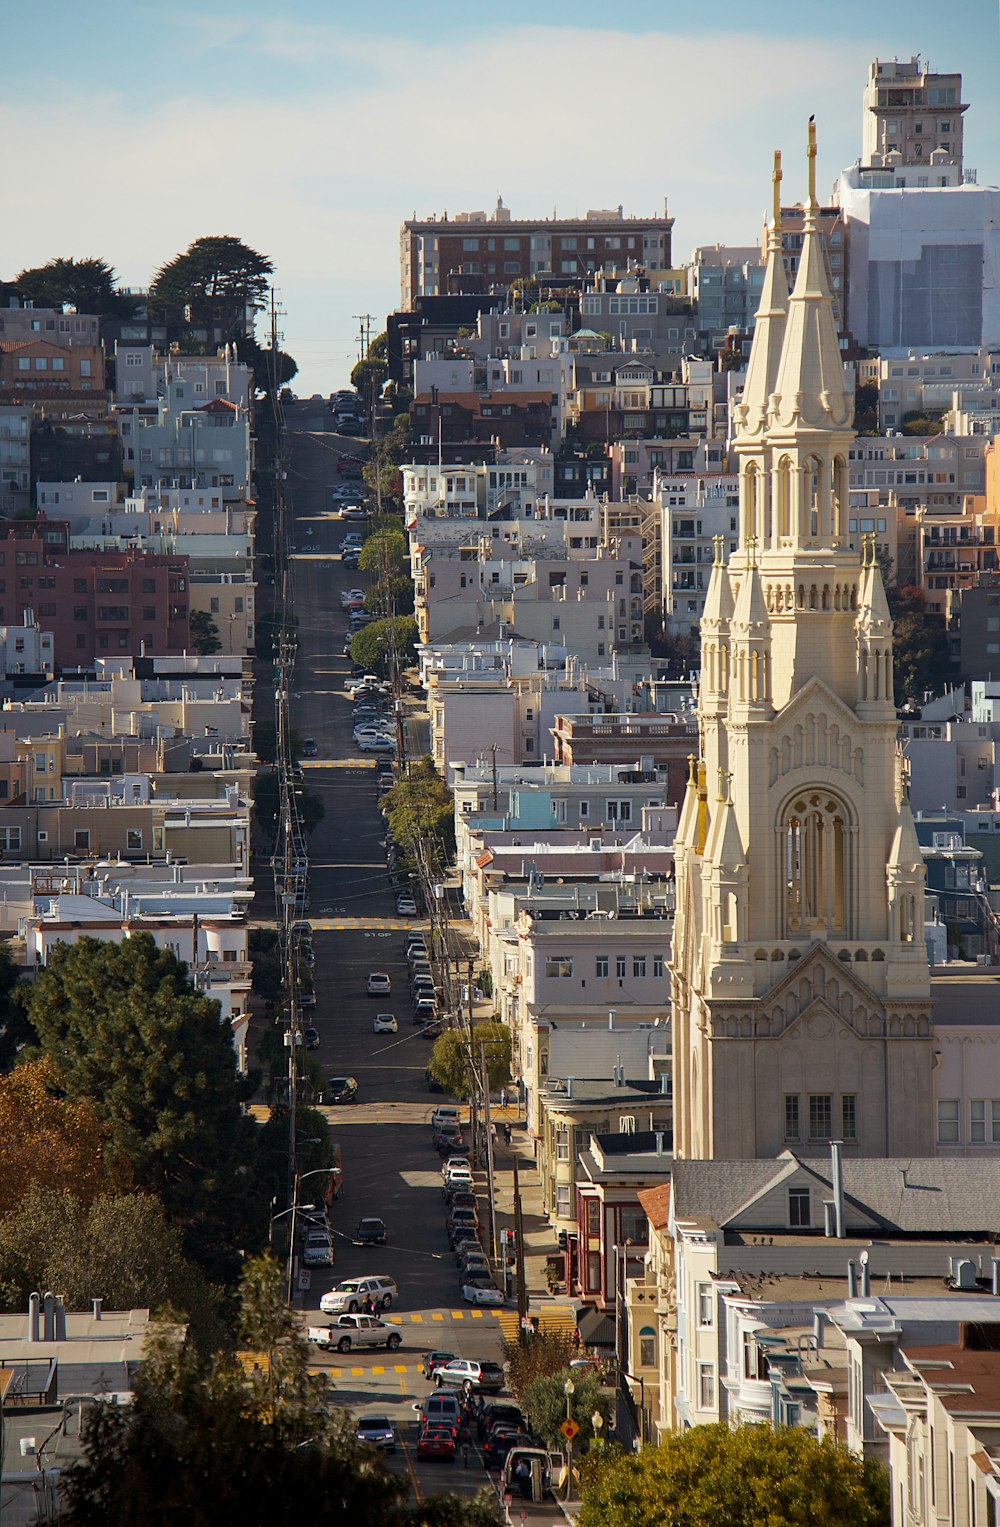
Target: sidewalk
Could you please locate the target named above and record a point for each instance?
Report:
(555, 1312)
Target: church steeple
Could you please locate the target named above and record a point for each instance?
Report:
(800, 993)
(811, 391)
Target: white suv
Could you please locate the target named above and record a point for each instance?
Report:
(350, 1295)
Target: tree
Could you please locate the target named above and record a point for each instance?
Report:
(217, 277)
(128, 1034)
(453, 1056)
(747, 1477)
(384, 549)
(920, 652)
(119, 1247)
(372, 645)
(48, 1140)
(544, 1401)
(396, 595)
(368, 377)
(87, 285)
(545, 1353)
(420, 810)
(204, 633)
(272, 369)
(15, 1027)
(216, 1439)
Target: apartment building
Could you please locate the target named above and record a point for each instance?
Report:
(142, 373)
(15, 458)
(476, 251)
(515, 486)
(938, 381)
(913, 117)
(93, 602)
(696, 509)
(639, 315)
(180, 441)
(40, 372)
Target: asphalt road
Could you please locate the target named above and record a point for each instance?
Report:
(390, 1166)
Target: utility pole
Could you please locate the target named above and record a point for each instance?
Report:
(493, 750)
(519, 1279)
(489, 1153)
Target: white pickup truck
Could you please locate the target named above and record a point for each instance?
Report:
(349, 1331)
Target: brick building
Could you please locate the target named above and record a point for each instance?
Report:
(475, 253)
(95, 603)
(512, 418)
(39, 370)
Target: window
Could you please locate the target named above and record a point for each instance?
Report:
(558, 965)
(562, 1200)
(618, 811)
(620, 967)
(81, 840)
(754, 1358)
(984, 1121)
(10, 839)
(658, 967)
(849, 1116)
(635, 1225)
(601, 966)
(84, 368)
(593, 1216)
(947, 1121)
(799, 1209)
(647, 1347)
(706, 1386)
(639, 967)
(706, 1304)
(820, 1116)
(133, 840)
(791, 1116)
(562, 1144)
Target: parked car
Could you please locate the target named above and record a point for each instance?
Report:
(350, 1295)
(355, 1331)
(406, 906)
(318, 1252)
(311, 1037)
(425, 1014)
(434, 1360)
(475, 1264)
(370, 1232)
(481, 1291)
(376, 1430)
(340, 1089)
(498, 1413)
(445, 1113)
(385, 1023)
(461, 1373)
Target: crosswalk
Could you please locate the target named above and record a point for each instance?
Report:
(372, 924)
(367, 762)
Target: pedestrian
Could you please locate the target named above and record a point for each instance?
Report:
(507, 1134)
(503, 1097)
(576, 1340)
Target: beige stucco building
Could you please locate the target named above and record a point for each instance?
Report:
(799, 979)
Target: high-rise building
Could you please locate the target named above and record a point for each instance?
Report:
(913, 114)
(800, 983)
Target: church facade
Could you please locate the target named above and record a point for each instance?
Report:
(800, 985)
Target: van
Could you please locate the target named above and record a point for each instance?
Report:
(440, 1410)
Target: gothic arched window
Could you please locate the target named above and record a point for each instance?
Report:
(815, 863)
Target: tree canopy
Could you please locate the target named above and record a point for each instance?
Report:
(204, 633)
(544, 1403)
(118, 1247)
(453, 1053)
(750, 1476)
(420, 810)
(128, 1034)
(217, 270)
(246, 1436)
(47, 1139)
(15, 1027)
(385, 548)
(87, 285)
(372, 645)
(920, 652)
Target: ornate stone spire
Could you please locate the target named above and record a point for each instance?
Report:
(811, 390)
(769, 333)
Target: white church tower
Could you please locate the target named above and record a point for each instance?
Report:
(800, 984)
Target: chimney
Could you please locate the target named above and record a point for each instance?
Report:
(866, 1281)
(837, 1166)
(569, 1086)
(60, 1320)
(852, 1280)
(829, 1223)
(48, 1318)
(819, 1328)
(34, 1306)
(659, 1152)
(96, 1305)
(996, 1276)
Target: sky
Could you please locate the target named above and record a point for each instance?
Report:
(311, 128)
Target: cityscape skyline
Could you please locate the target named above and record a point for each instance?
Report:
(328, 182)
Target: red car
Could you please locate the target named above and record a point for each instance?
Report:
(437, 1442)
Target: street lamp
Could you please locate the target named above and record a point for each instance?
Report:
(569, 1389)
(597, 1422)
(293, 1211)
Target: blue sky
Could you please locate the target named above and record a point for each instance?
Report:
(312, 129)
